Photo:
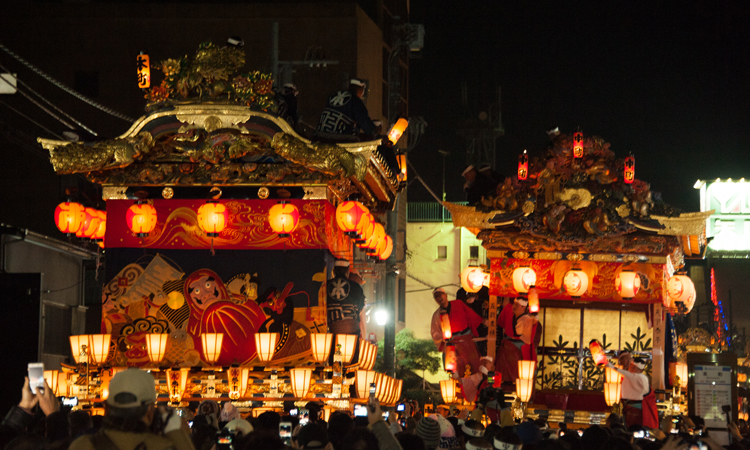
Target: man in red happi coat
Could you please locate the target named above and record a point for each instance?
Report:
(463, 329)
(522, 333)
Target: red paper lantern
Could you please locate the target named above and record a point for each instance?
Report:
(597, 353)
(376, 237)
(627, 284)
(283, 218)
(445, 325)
(387, 248)
(102, 228)
(472, 279)
(450, 358)
(69, 217)
(365, 228)
(348, 216)
(141, 218)
(533, 301)
(90, 224)
(578, 144)
(523, 166)
(629, 170)
(213, 217)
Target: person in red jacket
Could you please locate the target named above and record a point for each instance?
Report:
(463, 329)
(521, 336)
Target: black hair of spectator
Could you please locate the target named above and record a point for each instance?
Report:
(203, 434)
(310, 433)
(573, 440)
(617, 443)
(541, 422)
(260, 440)
(359, 439)
(613, 419)
(360, 422)
(490, 431)
(269, 421)
(79, 423)
(409, 441)
(552, 444)
(339, 424)
(594, 438)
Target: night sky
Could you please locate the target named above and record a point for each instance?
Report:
(671, 85)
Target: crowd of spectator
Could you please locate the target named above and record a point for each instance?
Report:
(133, 420)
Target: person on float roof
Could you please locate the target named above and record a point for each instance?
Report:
(345, 116)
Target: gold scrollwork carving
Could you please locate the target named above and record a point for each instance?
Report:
(327, 158)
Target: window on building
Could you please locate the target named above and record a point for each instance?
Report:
(86, 82)
(442, 252)
(402, 300)
(474, 252)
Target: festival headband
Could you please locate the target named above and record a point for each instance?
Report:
(500, 445)
(522, 301)
(472, 432)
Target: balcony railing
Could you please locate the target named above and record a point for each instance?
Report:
(428, 212)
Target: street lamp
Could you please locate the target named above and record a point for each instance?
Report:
(381, 317)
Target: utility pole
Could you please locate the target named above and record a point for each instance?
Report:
(282, 68)
(445, 153)
(408, 37)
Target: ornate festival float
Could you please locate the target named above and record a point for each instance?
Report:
(222, 227)
(597, 256)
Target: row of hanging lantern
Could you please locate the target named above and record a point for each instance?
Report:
(680, 288)
(73, 218)
(356, 221)
(94, 350)
(628, 164)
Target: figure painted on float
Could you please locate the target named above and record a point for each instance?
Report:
(213, 311)
(294, 337)
(345, 302)
(522, 333)
(463, 323)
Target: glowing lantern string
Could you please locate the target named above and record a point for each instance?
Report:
(144, 71)
(472, 279)
(578, 144)
(101, 229)
(597, 353)
(627, 284)
(387, 249)
(523, 279)
(69, 217)
(629, 169)
(283, 218)
(141, 218)
(576, 282)
(397, 130)
(523, 166)
(348, 216)
(90, 224)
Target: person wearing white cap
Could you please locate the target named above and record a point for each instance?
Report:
(522, 333)
(635, 385)
(128, 413)
(345, 116)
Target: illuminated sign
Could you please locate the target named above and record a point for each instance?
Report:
(729, 225)
(144, 71)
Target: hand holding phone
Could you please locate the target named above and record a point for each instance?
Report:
(285, 432)
(36, 377)
(373, 388)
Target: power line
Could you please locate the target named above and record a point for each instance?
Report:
(65, 88)
(32, 121)
(48, 102)
(58, 118)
